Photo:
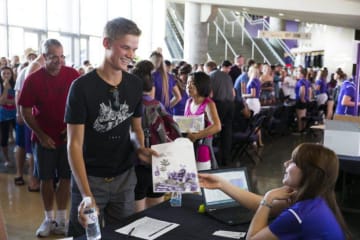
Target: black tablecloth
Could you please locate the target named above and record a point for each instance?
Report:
(193, 225)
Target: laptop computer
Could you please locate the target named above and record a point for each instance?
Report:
(221, 206)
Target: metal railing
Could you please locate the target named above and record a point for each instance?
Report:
(266, 26)
(244, 31)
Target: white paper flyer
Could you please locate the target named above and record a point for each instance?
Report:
(175, 169)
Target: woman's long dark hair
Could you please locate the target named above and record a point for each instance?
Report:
(320, 168)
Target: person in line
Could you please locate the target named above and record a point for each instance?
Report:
(145, 197)
(253, 93)
(242, 80)
(346, 101)
(237, 68)
(303, 93)
(21, 151)
(45, 91)
(181, 81)
(166, 90)
(199, 102)
(7, 110)
(304, 208)
(321, 87)
(223, 94)
(101, 107)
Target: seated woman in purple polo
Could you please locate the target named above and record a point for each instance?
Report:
(303, 92)
(166, 90)
(346, 100)
(321, 87)
(305, 207)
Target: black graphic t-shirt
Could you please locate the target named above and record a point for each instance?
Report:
(106, 112)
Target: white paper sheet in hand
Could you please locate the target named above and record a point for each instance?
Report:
(175, 169)
(147, 228)
(190, 123)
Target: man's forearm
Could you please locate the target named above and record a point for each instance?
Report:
(31, 121)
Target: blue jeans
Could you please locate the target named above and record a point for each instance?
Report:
(114, 198)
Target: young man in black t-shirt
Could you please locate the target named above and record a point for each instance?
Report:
(101, 107)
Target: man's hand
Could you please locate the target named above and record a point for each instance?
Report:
(144, 154)
(81, 209)
(46, 141)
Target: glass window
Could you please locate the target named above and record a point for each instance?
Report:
(122, 8)
(3, 42)
(27, 13)
(2, 11)
(93, 17)
(63, 16)
(83, 50)
(31, 40)
(66, 42)
(95, 50)
(76, 51)
(16, 45)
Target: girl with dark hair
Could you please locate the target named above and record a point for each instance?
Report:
(199, 102)
(305, 207)
(181, 80)
(166, 90)
(7, 109)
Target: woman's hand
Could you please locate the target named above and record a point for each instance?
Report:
(210, 181)
(282, 193)
(192, 136)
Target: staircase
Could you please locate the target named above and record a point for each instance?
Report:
(227, 37)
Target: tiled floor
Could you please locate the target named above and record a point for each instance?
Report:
(23, 210)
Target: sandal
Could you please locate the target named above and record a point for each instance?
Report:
(19, 181)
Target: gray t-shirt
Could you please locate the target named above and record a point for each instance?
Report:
(221, 85)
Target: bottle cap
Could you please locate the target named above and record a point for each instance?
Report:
(87, 201)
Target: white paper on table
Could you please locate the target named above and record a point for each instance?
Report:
(175, 169)
(190, 123)
(229, 234)
(147, 228)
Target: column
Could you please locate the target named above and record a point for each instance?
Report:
(195, 32)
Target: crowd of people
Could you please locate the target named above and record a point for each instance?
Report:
(92, 152)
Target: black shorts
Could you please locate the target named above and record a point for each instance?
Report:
(144, 185)
(300, 105)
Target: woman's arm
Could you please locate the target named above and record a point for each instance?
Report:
(177, 96)
(214, 128)
(302, 93)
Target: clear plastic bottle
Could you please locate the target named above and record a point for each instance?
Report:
(93, 227)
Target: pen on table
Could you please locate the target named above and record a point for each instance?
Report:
(157, 231)
(131, 231)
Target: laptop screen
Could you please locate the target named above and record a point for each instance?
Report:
(236, 176)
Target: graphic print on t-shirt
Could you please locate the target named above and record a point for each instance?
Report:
(109, 118)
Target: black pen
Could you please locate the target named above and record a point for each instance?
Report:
(131, 231)
(157, 231)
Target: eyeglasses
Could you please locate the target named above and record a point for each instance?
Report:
(55, 58)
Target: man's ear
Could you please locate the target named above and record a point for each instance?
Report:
(107, 42)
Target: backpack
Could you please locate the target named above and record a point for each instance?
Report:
(158, 124)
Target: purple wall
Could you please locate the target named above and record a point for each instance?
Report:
(253, 29)
(291, 26)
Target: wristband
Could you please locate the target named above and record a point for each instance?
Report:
(266, 204)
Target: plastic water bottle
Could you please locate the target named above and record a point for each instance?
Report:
(176, 199)
(93, 227)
